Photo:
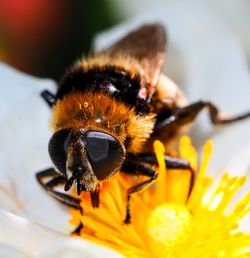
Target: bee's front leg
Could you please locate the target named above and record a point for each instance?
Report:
(54, 181)
(49, 97)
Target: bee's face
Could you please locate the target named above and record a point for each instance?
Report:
(85, 157)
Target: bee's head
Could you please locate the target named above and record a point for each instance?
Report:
(85, 157)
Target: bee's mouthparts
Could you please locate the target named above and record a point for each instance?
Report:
(69, 184)
(79, 186)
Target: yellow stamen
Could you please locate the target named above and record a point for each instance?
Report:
(202, 183)
(75, 217)
(164, 223)
(188, 152)
(170, 182)
(177, 186)
(159, 150)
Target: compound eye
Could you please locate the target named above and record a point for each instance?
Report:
(58, 149)
(105, 154)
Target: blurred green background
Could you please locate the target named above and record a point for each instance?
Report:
(43, 37)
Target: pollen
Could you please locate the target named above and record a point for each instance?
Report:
(169, 224)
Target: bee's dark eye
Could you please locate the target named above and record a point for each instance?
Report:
(105, 153)
(58, 150)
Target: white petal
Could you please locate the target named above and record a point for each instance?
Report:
(232, 149)
(10, 251)
(24, 122)
(39, 242)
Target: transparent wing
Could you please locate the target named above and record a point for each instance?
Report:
(146, 45)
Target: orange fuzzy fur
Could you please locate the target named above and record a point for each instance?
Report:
(83, 110)
(102, 61)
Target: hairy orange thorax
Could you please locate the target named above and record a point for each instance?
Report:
(101, 112)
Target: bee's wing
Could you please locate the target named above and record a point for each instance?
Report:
(146, 46)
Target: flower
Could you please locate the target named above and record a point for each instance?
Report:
(167, 220)
(203, 57)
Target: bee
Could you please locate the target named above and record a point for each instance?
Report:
(107, 112)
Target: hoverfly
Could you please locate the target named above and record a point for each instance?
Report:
(107, 112)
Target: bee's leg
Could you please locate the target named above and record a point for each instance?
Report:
(139, 169)
(48, 97)
(61, 197)
(55, 181)
(95, 200)
(77, 231)
(187, 114)
(171, 163)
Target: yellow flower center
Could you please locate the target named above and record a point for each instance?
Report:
(170, 224)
